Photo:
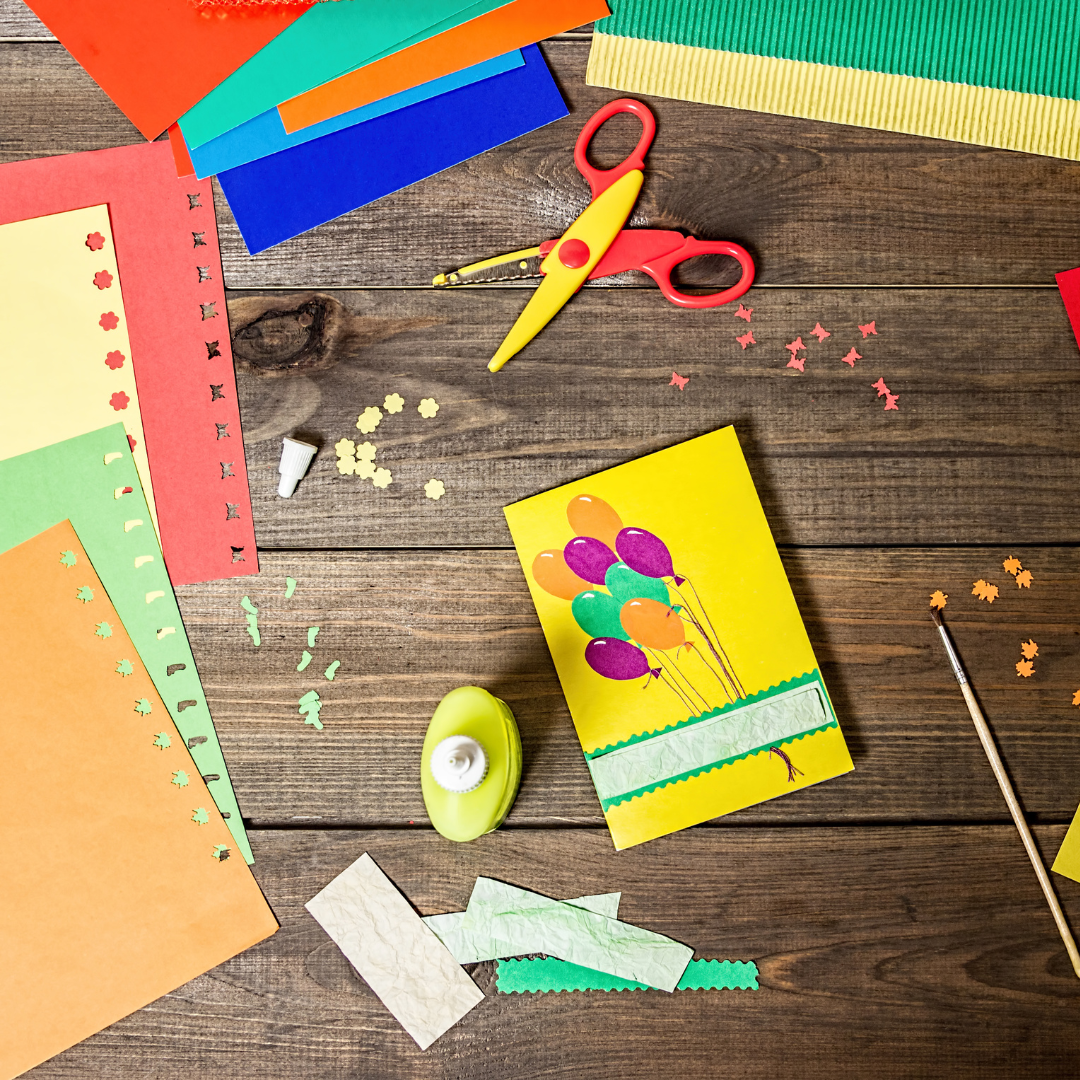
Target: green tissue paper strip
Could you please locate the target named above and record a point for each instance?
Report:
(520, 923)
(328, 40)
(71, 480)
(471, 948)
(547, 974)
(1025, 45)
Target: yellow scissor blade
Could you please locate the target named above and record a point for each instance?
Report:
(597, 226)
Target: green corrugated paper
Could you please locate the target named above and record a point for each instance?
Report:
(546, 974)
(1030, 47)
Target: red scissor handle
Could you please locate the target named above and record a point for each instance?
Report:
(660, 268)
(601, 179)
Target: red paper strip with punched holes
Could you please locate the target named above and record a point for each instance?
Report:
(166, 241)
(1068, 283)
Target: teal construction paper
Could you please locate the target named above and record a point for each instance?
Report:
(550, 975)
(266, 134)
(328, 40)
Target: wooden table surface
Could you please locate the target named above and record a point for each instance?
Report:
(894, 917)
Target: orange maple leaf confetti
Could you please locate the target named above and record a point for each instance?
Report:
(794, 346)
(1029, 649)
(95, 241)
(746, 339)
(869, 328)
(1023, 579)
(890, 401)
(1025, 668)
(679, 380)
(938, 599)
(797, 362)
(744, 313)
(1076, 698)
(851, 358)
(880, 387)
(984, 591)
(820, 332)
(109, 321)
(1012, 565)
(103, 279)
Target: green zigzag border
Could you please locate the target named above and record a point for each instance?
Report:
(549, 975)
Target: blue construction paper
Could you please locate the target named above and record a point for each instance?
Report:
(266, 134)
(280, 196)
(328, 40)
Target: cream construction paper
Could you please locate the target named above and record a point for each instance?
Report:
(982, 115)
(521, 922)
(471, 948)
(66, 365)
(401, 959)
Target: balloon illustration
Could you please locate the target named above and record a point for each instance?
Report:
(551, 573)
(591, 516)
(654, 625)
(589, 558)
(626, 584)
(597, 614)
(615, 659)
(646, 553)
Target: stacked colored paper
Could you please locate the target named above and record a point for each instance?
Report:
(1001, 75)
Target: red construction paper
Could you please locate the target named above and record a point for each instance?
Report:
(1068, 283)
(157, 58)
(166, 240)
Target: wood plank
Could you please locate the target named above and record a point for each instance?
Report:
(920, 950)
(19, 22)
(983, 447)
(816, 203)
(410, 626)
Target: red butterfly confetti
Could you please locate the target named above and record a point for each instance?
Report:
(890, 402)
(880, 387)
(132, 442)
(794, 346)
(95, 241)
(103, 279)
(115, 359)
(851, 358)
(869, 328)
(746, 339)
(679, 380)
(744, 313)
(109, 321)
(797, 362)
(119, 400)
(820, 332)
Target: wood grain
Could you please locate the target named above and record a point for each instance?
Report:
(410, 626)
(899, 959)
(815, 203)
(982, 449)
(19, 22)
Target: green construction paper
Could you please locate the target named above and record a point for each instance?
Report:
(731, 733)
(548, 974)
(71, 480)
(1007, 45)
(331, 671)
(290, 587)
(477, 946)
(328, 40)
(520, 922)
(304, 661)
(312, 634)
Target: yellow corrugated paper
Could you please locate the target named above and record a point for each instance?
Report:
(941, 110)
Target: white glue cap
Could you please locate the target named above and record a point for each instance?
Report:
(459, 764)
(295, 458)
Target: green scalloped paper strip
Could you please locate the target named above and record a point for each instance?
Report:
(545, 975)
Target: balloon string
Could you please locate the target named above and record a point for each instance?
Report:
(688, 682)
(791, 770)
(701, 656)
(666, 661)
(671, 686)
(720, 644)
(708, 641)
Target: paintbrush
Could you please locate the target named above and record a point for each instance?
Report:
(991, 750)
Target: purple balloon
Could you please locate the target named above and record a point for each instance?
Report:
(646, 553)
(616, 659)
(589, 558)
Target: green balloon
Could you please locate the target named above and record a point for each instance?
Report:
(626, 584)
(598, 615)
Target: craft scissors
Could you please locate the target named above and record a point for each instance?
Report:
(597, 245)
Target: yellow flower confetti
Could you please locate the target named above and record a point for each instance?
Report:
(427, 408)
(369, 419)
(382, 478)
(434, 489)
(365, 452)
(345, 447)
(394, 403)
(346, 466)
(365, 469)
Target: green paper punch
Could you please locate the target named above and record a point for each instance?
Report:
(470, 767)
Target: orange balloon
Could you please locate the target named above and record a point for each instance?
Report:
(652, 624)
(554, 576)
(589, 515)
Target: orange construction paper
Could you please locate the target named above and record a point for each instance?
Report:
(157, 58)
(121, 881)
(513, 26)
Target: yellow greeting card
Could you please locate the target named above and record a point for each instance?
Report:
(66, 365)
(681, 652)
